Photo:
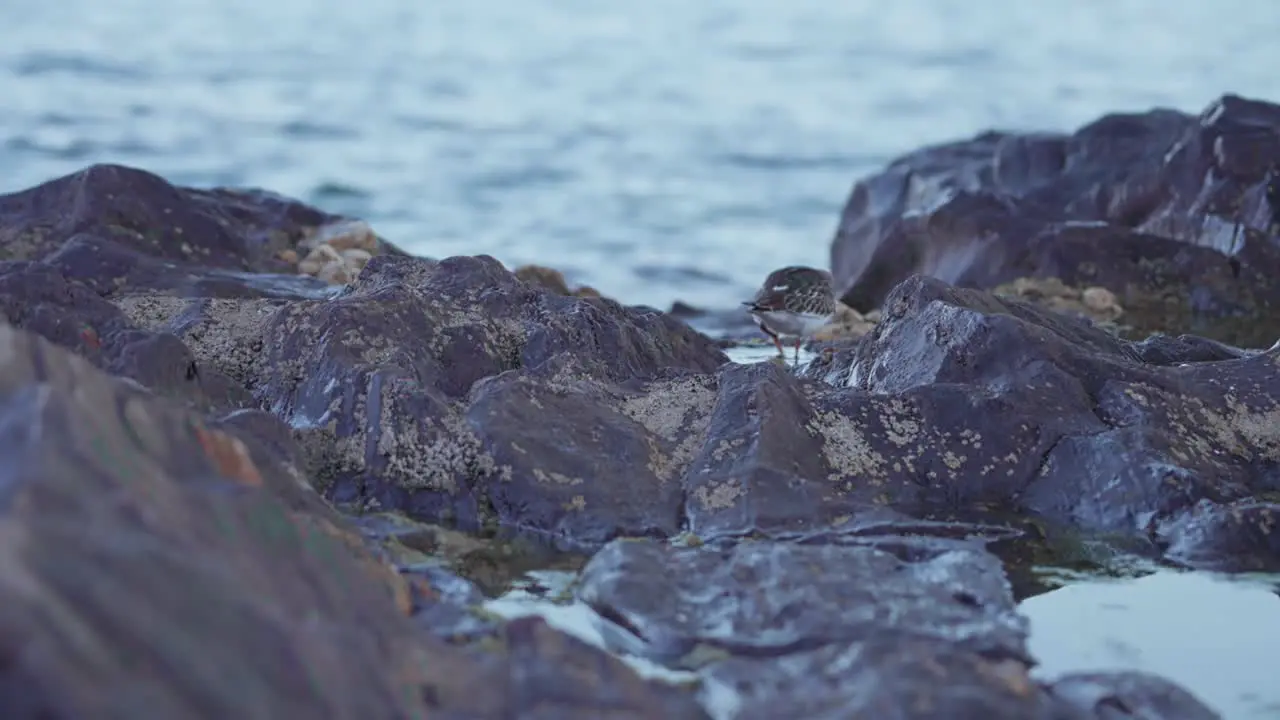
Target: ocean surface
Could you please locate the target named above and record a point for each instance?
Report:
(657, 151)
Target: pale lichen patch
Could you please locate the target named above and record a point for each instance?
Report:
(678, 412)
(720, 495)
(846, 449)
(429, 453)
(901, 423)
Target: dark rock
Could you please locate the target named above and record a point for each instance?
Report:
(678, 604)
(454, 391)
(1079, 429)
(814, 631)
(218, 228)
(542, 674)
(111, 269)
(39, 299)
(1145, 205)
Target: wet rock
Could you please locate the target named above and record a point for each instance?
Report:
(538, 672)
(1146, 205)
(457, 393)
(746, 599)
(115, 271)
(1129, 695)
(1243, 536)
(835, 631)
(120, 230)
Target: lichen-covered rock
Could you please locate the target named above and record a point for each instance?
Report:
(1010, 404)
(455, 391)
(37, 298)
(1145, 205)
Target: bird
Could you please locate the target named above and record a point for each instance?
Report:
(794, 301)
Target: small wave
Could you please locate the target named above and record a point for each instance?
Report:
(679, 273)
(337, 191)
(306, 129)
(779, 161)
(48, 63)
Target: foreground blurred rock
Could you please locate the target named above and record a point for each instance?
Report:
(1145, 205)
(455, 392)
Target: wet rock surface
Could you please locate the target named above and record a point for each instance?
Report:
(896, 629)
(1166, 210)
(809, 544)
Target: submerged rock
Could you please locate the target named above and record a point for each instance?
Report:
(1164, 209)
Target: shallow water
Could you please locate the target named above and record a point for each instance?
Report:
(655, 150)
(749, 354)
(1216, 636)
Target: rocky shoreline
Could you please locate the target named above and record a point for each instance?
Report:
(253, 449)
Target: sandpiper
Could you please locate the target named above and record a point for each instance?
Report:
(794, 302)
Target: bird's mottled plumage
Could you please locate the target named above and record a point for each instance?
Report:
(793, 302)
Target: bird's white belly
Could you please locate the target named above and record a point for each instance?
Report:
(792, 324)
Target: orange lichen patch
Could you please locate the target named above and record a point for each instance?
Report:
(90, 338)
(229, 456)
